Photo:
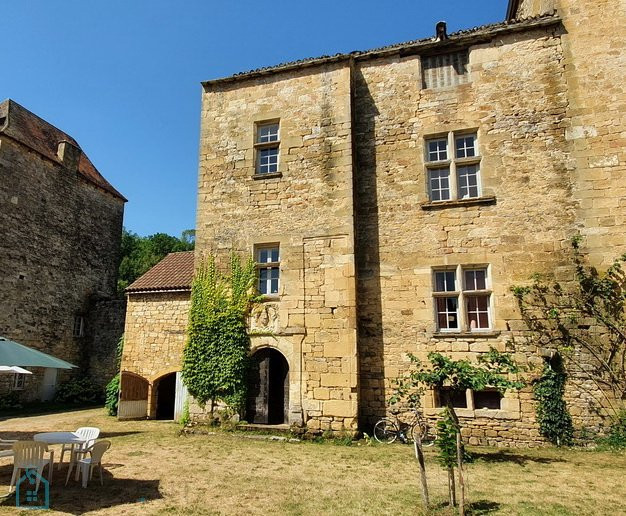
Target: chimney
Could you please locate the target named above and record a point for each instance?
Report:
(69, 155)
(441, 30)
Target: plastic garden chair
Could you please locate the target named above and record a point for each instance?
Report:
(30, 455)
(86, 465)
(4, 444)
(88, 433)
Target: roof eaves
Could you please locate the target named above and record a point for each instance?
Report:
(159, 290)
(462, 37)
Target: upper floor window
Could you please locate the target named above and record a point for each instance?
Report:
(453, 167)
(19, 380)
(462, 298)
(268, 266)
(445, 70)
(79, 326)
(267, 146)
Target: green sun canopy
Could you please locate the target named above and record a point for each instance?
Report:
(14, 354)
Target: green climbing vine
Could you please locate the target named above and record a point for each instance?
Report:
(555, 422)
(215, 358)
(112, 390)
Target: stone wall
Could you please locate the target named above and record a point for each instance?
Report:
(105, 326)
(518, 116)
(154, 333)
(352, 167)
(59, 251)
(307, 210)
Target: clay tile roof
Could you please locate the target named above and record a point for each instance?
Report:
(465, 36)
(174, 272)
(20, 124)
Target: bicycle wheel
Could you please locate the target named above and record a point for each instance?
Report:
(385, 431)
(426, 433)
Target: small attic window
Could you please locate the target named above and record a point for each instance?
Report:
(445, 70)
(2, 120)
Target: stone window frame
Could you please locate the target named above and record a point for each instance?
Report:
(453, 164)
(462, 296)
(267, 265)
(261, 144)
(78, 329)
(19, 381)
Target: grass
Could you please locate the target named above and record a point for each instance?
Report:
(150, 469)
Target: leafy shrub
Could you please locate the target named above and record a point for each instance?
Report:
(185, 419)
(78, 390)
(616, 437)
(112, 393)
(10, 401)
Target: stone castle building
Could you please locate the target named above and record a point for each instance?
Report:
(61, 225)
(391, 198)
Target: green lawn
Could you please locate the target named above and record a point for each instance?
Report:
(150, 469)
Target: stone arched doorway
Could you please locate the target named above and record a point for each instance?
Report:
(165, 396)
(268, 388)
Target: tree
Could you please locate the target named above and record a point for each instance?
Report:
(583, 321)
(215, 358)
(139, 254)
(492, 369)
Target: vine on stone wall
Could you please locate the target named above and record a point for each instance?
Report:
(215, 358)
(555, 422)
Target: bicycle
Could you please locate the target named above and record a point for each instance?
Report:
(387, 430)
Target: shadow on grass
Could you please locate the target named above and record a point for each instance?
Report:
(74, 499)
(473, 508)
(511, 457)
(482, 507)
(28, 436)
(45, 408)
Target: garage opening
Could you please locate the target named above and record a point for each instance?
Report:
(166, 396)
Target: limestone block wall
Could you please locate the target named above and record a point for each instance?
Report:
(59, 252)
(594, 62)
(154, 333)
(306, 209)
(516, 101)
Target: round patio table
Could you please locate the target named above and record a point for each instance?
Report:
(59, 438)
(70, 438)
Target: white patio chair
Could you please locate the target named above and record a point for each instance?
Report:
(88, 433)
(30, 455)
(86, 465)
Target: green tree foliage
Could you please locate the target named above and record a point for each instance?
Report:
(141, 253)
(584, 321)
(215, 358)
(555, 422)
(490, 370)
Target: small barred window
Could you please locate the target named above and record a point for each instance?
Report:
(445, 70)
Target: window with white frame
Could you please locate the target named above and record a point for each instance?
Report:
(79, 326)
(445, 70)
(462, 299)
(267, 147)
(453, 166)
(19, 379)
(268, 266)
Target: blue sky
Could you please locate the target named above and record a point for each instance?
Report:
(123, 76)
